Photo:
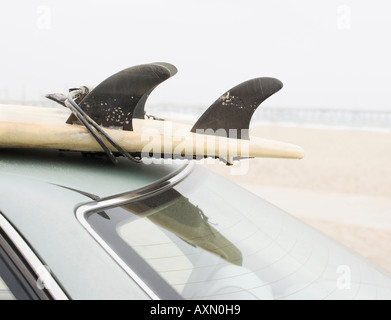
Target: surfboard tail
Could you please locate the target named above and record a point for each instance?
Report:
(119, 102)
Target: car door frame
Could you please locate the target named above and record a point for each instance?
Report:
(22, 271)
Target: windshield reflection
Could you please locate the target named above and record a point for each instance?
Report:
(207, 238)
(177, 214)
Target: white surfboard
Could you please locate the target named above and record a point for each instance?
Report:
(45, 128)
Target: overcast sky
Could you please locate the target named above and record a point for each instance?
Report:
(329, 54)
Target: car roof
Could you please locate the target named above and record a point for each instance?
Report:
(35, 194)
(43, 214)
(89, 174)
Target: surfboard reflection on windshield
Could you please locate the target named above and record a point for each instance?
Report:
(177, 214)
(164, 238)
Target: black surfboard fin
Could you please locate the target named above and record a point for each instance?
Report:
(121, 97)
(234, 109)
(139, 111)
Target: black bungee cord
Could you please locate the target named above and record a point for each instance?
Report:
(94, 128)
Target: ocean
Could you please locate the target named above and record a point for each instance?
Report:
(373, 120)
(323, 118)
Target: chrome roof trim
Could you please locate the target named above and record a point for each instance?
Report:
(115, 201)
(45, 279)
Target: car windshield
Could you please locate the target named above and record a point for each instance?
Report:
(207, 238)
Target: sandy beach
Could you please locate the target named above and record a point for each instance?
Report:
(342, 187)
